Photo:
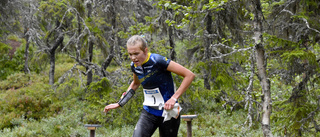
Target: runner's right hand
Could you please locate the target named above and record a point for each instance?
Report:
(111, 106)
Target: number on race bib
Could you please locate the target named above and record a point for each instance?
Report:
(152, 97)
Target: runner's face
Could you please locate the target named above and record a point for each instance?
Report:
(137, 55)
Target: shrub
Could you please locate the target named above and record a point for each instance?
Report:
(6, 65)
(12, 62)
(15, 81)
(65, 124)
(101, 93)
(36, 103)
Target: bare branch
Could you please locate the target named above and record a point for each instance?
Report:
(228, 54)
(303, 19)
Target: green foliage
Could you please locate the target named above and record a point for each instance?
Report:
(300, 55)
(28, 103)
(182, 12)
(53, 8)
(214, 5)
(291, 112)
(65, 124)
(70, 89)
(4, 58)
(139, 28)
(10, 64)
(96, 90)
(63, 65)
(274, 41)
(277, 3)
(14, 81)
(38, 62)
(50, 13)
(220, 123)
(219, 71)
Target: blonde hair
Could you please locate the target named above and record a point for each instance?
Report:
(135, 39)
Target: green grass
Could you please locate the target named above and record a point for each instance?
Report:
(69, 124)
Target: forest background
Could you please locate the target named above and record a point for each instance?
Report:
(256, 64)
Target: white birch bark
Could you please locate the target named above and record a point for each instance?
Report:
(261, 67)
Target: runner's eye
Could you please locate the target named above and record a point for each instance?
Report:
(133, 54)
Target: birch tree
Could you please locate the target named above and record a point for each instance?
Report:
(261, 67)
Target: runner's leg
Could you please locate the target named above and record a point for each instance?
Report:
(146, 125)
(170, 128)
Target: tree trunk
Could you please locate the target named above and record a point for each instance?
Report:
(265, 85)
(90, 52)
(52, 53)
(26, 55)
(171, 43)
(114, 32)
(26, 52)
(52, 67)
(170, 35)
(207, 53)
(108, 60)
(90, 46)
(261, 66)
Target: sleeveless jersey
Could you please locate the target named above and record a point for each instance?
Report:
(153, 75)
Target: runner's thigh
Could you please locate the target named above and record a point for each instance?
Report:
(146, 125)
(170, 128)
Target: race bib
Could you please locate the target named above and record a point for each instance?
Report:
(152, 97)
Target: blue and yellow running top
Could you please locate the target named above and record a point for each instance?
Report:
(153, 75)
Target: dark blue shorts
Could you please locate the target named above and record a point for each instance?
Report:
(148, 123)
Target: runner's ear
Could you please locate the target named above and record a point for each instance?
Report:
(146, 50)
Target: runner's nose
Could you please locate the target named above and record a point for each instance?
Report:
(132, 57)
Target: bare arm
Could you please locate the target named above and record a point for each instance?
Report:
(135, 83)
(188, 77)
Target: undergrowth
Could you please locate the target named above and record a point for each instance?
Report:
(34, 108)
(76, 109)
(30, 107)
